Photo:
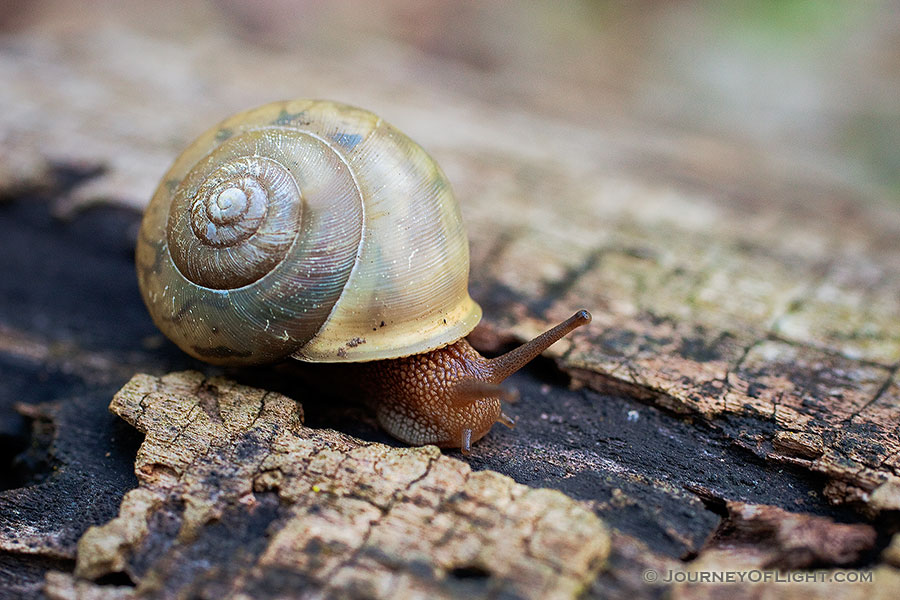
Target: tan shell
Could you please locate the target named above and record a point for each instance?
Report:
(309, 229)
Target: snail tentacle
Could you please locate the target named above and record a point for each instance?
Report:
(467, 391)
(505, 419)
(453, 393)
(465, 444)
(505, 365)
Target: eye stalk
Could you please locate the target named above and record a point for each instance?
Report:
(452, 396)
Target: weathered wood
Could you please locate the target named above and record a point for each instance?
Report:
(232, 483)
(740, 261)
(237, 497)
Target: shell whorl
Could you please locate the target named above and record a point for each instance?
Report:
(237, 225)
(310, 229)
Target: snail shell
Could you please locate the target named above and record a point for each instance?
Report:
(309, 229)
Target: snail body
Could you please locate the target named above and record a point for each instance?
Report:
(315, 230)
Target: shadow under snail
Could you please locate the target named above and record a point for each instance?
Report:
(315, 230)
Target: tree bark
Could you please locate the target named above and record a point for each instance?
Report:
(733, 408)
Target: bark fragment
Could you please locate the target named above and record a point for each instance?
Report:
(306, 509)
(793, 541)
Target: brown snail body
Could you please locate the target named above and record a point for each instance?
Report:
(315, 230)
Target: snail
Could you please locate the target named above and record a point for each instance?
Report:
(315, 230)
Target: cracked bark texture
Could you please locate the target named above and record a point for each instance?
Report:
(238, 498)
(663, 166)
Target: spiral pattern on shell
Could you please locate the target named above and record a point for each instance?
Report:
(243, 218)
(305, 228)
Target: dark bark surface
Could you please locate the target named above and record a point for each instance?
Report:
(656, 476)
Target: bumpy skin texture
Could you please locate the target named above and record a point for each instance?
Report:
(417, 396)
(451, 396)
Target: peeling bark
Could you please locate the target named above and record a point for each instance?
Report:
(795, 541)
(236, 497)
